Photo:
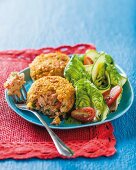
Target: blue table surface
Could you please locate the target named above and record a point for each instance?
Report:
(110, 25)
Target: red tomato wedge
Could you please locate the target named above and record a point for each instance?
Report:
(87, 60)
(84, 115)
(111, 95)
(106, 94)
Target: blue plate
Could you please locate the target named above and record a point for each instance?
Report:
(126, 101)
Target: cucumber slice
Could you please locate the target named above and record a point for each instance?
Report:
(93, 54)
(102, 90)
(88, 69)
(98, 64)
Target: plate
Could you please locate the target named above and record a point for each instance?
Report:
(126, 101)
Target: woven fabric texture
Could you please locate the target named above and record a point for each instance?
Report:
(20, 139)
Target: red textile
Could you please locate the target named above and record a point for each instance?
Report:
(20, 139)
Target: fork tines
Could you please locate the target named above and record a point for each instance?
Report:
(24, 91)
(23, 97)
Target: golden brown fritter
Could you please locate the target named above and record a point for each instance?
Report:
(51, 64)
(52, 95)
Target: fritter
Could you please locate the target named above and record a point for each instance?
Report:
(51, 64)
(52, 95)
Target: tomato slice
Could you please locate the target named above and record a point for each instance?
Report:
(106, 94)
(84, 115)
(110, 96)
(87, 60)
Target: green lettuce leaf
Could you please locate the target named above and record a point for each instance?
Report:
(75, 70)
(105, 74)
(87, 95)
(71, 120)
(115, 77)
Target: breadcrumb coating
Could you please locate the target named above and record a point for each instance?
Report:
(65, 92)
(51, 64)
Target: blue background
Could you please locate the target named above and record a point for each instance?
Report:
(110, 25)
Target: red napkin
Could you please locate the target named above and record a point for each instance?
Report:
(20, 139)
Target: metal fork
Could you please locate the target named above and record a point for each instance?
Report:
(21, 104)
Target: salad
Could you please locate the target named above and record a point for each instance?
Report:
(98, 85)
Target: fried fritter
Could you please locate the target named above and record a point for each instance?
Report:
(51, 64)
(52, 95)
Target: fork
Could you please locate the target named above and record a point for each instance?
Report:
(20, 103)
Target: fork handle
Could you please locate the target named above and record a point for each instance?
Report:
(60, 145)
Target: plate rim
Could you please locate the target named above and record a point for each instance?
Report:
(80, 125)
